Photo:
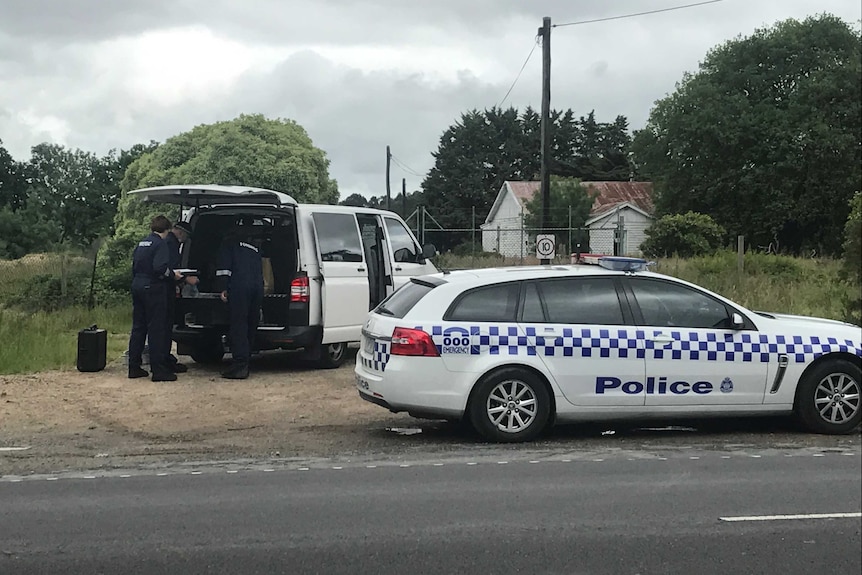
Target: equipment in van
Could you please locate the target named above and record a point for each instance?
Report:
(326, 267)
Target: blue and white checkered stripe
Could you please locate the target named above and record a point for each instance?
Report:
(379, 356)
(634, 342)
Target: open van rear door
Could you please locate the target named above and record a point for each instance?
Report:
(212, 194)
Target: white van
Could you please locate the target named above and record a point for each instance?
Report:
(325, 267)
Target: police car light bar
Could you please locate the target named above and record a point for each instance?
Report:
(623, 264)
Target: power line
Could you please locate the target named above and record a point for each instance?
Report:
(536, 43)
(637, 14)
(405, 167)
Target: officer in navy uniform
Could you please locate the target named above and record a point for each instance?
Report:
(151, 278)
(181, 232)
(240, 277)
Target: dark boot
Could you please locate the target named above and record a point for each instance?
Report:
(163, 375)
(179, 368)
(136, 372)
(236, 372)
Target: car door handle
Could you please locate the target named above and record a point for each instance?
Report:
(398, 269)
(662, 339)
(548, 332)
(360, 269)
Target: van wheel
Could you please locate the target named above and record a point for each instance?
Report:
(327, 356)
(208, 354)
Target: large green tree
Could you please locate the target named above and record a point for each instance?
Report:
(12, 182)
(74, 191)
(250, 150)
(764, 138)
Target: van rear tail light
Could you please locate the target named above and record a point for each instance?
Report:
(413, 342)
(299, 290)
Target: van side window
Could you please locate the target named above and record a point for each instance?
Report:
(338, 236)
(404, 249)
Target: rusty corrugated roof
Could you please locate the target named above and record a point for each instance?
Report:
(610, 194)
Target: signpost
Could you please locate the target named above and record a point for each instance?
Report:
(546, 247)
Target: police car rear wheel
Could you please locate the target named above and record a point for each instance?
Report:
(510, 405)
(829, 398)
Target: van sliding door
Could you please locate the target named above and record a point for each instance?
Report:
(344, 290)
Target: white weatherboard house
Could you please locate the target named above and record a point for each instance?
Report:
(626, 206)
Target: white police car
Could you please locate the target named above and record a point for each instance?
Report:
(515, 349)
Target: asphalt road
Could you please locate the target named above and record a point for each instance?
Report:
(689, 512)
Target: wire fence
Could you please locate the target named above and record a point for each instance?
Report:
(511, 240)
(46, 280)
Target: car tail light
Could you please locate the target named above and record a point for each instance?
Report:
(299, 290)
(412, 342)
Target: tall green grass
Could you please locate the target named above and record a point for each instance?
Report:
(780, 284)
(42, 341)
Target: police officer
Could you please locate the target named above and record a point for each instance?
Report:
(180, 233)
(151, 278)
(240, 277)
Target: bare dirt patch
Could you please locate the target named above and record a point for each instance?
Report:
(71, 420)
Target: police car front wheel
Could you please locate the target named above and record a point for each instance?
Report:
(828, 398)
(510, 405)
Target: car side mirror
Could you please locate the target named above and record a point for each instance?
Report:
(737, 321)
(429, 250)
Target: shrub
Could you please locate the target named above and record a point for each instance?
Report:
(684, 235)
(852, 264)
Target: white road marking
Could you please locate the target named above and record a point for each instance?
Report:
(438, 465)
(125, 476)
(404, 465)
(370, 466)
(788, 517)
(50, 479)
(755, 456)
(268, 470)
(89, 477)
(502, 462)
(161, 474)
(471, 463)
(14, 448)
(725, 457)
(233, 471)
(337, 467)
(819, 455)
(534, 461)
(304, 468)
(196, 472)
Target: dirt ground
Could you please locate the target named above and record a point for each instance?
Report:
(71, 420)
(287, 412)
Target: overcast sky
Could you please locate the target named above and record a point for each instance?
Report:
(357, 74)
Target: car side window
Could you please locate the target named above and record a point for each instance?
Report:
(665, 304)
(491, 303)
(581, 301)
(338, 237)
(404, 249)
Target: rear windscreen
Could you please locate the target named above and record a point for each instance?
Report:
(403, 300)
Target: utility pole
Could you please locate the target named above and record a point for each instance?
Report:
(403, 197)
(545, 33)
(388, 191)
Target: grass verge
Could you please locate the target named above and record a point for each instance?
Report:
(49, 340)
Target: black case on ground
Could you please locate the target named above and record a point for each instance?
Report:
(92, 349)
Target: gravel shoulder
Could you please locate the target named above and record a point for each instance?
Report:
(286, 411)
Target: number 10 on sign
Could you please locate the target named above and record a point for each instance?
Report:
(545, 246)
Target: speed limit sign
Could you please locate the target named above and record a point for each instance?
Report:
(546, 247)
